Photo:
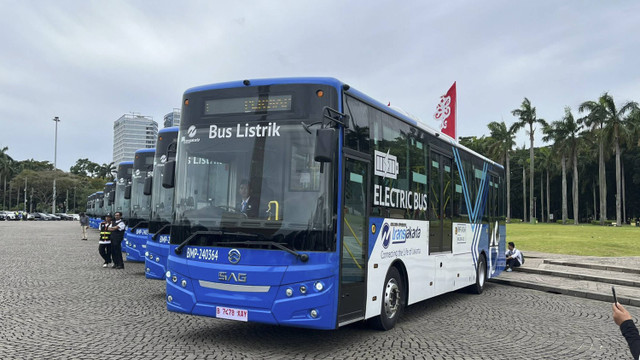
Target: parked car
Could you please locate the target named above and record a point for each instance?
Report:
(40, 216)
(53, 217)
(64, 216)
(30, 216)
(75, 216)
(10, 215)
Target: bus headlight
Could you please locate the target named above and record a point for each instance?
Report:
(183, 283)
(169, 298)
(174, 278)
(314, 313)
(303, 289)
(319, 286)
(168, 274)
(289, 292)
(158, 259)
(146, 253)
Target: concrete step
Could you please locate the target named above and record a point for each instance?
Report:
(603, 276)
(596, 290)
(605, 267)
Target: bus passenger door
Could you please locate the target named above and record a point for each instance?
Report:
(354, 240)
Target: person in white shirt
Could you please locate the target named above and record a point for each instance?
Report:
(514, 257)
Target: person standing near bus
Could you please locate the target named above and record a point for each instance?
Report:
(104, 247)
(629, 330)
(84, 224)
(117, 234)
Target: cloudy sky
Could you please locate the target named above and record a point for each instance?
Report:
(89, 62)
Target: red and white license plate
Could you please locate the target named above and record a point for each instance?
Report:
(231, 313)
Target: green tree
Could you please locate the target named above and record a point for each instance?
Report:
(85, 167)
(612, 124)
(500, 149)
(565, 134)
(527, 116)
(107, 171)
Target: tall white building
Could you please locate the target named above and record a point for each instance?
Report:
(172, 118)
(132, 132)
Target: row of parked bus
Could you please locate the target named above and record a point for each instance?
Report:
(304, 202)
(145, 205)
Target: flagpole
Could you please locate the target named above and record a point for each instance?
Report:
(457, 117)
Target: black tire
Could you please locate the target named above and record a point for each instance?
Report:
(481, 276)
(393, 301)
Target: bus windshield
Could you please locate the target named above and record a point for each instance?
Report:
(161, 198)
(253, 182)
(141, 203)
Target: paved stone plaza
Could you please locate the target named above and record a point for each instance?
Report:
(57, 302)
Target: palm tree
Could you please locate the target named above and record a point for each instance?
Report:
(7, 168)
(546, 158)
(106, 171)
(501, 147)
(565, 133)
(612, 125)
(527, 116)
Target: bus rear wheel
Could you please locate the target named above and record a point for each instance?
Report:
(393, 301)
(481, 276)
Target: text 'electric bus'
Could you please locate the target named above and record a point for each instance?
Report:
(155, 261)
(304, 202)
(138, 225)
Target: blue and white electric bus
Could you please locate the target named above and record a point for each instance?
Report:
(155, 261)
(123, 190)
(138, 225)
(91, 199)
(100, 210)
(304, 202)
(109, 197)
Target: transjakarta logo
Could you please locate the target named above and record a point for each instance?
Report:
(137, 172)
(386, 165)
(398, 233)
(191, 131)
(246, 131)
(163, 159)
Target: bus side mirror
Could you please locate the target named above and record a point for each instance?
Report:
(127, 192)
(112, 197)
(148, 182)
(169, 174)
(325, 145)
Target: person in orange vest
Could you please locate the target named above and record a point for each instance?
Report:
(105, 240)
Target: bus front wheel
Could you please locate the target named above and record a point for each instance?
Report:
(393, 301)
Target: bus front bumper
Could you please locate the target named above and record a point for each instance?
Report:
(288, 305)
(155, 261)
(135, 246)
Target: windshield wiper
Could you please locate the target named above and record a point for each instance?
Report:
(302, 257)
(159, 232)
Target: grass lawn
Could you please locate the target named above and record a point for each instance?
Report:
(592, 240)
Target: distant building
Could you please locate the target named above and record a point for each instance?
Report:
(132, 132)
(172, 118)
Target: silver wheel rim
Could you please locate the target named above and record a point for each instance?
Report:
(481, 273)
(391, 298)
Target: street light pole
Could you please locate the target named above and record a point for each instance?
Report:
(55, 158)
(25, 195)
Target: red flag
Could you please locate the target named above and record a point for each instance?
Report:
(446, 112)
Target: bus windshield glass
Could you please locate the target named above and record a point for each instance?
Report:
(253, 181)
(141, 203)
(161, 197)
